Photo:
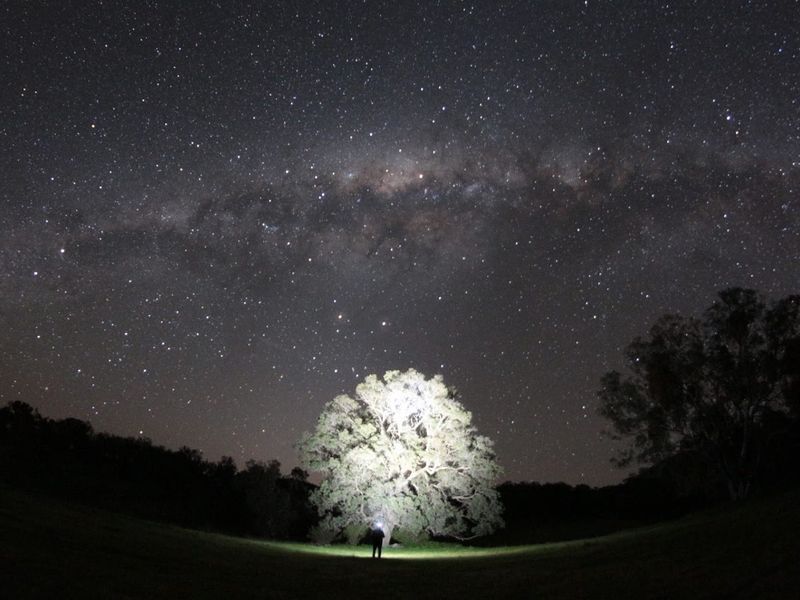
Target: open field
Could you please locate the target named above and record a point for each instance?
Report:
(53, 550)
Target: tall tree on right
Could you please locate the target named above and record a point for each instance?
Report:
(710, 386)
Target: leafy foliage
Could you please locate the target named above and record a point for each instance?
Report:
(402, 451)
(713, 386)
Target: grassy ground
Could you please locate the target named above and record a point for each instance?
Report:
(51, 550)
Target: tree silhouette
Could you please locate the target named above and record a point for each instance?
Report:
(709, 386)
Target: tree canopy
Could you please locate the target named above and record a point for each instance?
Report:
(714, 386)
(403, 452)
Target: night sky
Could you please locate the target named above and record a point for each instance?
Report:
(215, 217)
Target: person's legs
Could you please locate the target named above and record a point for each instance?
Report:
(380, 547)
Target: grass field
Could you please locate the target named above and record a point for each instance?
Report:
(52, 550)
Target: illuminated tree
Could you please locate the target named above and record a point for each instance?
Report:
(712, 387)
(402, 452)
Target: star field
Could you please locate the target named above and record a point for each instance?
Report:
(217, 217)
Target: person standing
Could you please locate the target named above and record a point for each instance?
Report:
(377, 536)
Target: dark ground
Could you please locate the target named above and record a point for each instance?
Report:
(55, 550)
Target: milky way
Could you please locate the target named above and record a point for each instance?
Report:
(217, 218)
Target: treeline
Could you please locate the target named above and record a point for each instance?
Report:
(676, 486)
(67, 459)
(550, 512)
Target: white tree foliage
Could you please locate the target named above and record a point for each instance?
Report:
(402, 451)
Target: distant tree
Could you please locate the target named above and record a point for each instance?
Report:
(266, 505)
(224, 470)
(20, 419)
(403, 452)
(783, 335)
(299, 474)
(708, 386)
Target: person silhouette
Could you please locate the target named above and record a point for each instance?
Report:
(377, 536)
